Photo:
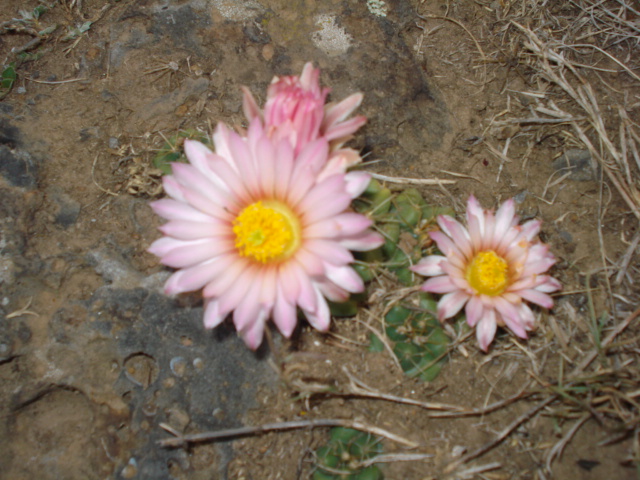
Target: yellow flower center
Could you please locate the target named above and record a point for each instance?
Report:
(267, 231)
(488, 273)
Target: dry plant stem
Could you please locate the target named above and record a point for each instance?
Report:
(183, 440)
(501, 437)
(383, 338)
(584, 97)
(606, 342)
(393, 457)
(59, 82)
(360, 389)
(626, 259)
(558, 448)
(412, 181)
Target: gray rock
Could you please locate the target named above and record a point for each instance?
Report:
(68, 209)
(579, 163)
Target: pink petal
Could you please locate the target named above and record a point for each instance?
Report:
(511, 316)
(338, 112)
(249, 105)
(451, 303)
(299, 184)
(196, 251)
(458, 234)
(201, 157)
(345, 224)
(174, 210)
(321, 192)
(172, 188)
(222, 282)
(333, 292)
(486, 329)
(164, 245)
(320, 317)
(429, 266)
(196, 277)
(474, 310)
(446, 246)
(342, 131)
(252, 335)
(287, 279)
(248, 309)
(329, 208)
(527, 318)
(187, 230)
(331, 252)
(307, 296)
(205, 204)
(548, 284)
(268, 168)
(310, 260)
(346, 278)
(314, 155)
(536, 297)
(441, 284)
(213, 316)
(338, 163)
(237, 291)
(504, 218)
(285, 315)
(475, 219)
(284, 154)
(363, 242)
(357, 182)
(531, 229)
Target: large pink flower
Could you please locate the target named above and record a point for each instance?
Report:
(491, 267)
(262, 230)
(295, 109)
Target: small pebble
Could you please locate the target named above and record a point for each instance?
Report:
(178, 366)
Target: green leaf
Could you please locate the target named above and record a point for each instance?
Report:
(343, 434)
(344, 309)
(376, 344)
(39, 10)
(409, 206)
(7, 79)
(397, 315)
(372, 472)
(163, 161)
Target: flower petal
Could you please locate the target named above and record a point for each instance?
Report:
(429, 266)
(451, 303)
(486, 330)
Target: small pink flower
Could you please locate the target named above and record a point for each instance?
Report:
(295, 109)
(491, 267)
(263, 230)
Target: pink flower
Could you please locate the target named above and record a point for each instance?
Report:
(262, 230)
(491, 267)
(295, 109)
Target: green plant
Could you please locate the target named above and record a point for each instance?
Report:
(7, 79)
(418, 340)
(343, 456)
(404, 219)
(173, 151)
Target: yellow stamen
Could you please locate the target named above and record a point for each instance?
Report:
(267, 231)
(488, 273)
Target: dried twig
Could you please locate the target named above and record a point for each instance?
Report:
(412, 181)
(183, 440)
(501, 436)
(606, 342)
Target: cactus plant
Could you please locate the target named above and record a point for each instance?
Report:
(342, 456)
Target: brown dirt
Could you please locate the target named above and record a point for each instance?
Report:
(92, 113)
